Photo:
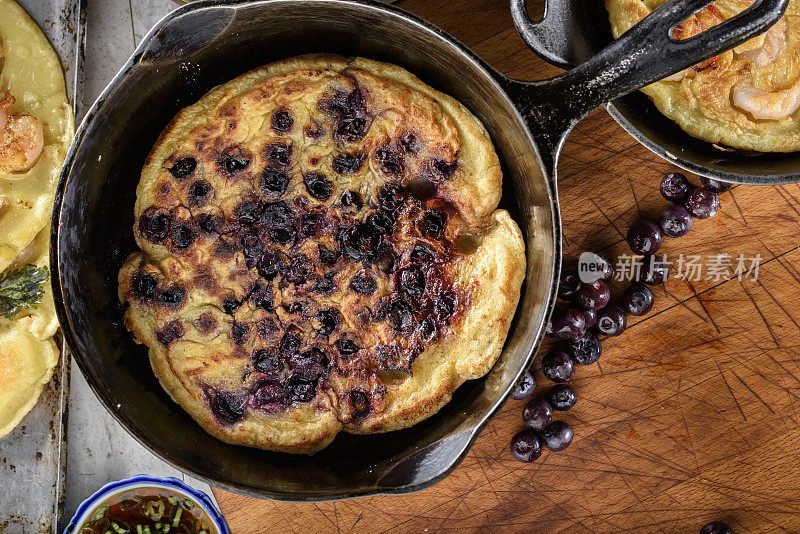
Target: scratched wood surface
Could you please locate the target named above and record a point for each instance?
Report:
(691, 415)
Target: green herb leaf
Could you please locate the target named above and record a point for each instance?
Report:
(21, 289)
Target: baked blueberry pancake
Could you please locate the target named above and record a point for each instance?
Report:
(321, 250)
(748, 97)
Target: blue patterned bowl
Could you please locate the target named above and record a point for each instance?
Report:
(143, 481)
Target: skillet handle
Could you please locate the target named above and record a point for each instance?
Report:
(555, 37)
(644, 54)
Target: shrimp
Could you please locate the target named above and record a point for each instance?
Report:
(21, 138)
(767, 105)
(775, 42)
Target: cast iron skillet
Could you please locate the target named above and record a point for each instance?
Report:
(207, 43)
(572, 31)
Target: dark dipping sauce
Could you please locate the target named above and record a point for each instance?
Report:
(148, 511)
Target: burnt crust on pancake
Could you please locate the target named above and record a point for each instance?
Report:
(302, 267)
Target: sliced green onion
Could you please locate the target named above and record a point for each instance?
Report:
(147, 529)
(177, 518)
(100, 513)
(187, 504)
(172, 499)
(119, 529)
(139, 529)
(201, 525)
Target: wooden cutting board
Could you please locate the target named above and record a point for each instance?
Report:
(691, 415)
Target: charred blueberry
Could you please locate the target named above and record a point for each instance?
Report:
(314, 131)
(170, 332)
(228, 407)
(446, 305)
(154, 225)
(208, 223)
(389, 161)
(427, 329)
(347, 163)
(172, 297)
(270, 264)
(290, 343)
(279, 155)
(363, 284)
(183, 235)
(268, 395)
(311, 224)
(385, 259)
(183, 167)
(144, 286)
(252, 247)
(359, 400)
(278, 219)
(433, 223)
(199, 192)
(317, 185)
(346, 347)
(239, 333)
(274, 182)
(310, 362)
(408, 142)
(359, 242)
(392, 197)
(281, 121)
(234, 161)
(422, 255)
(267, 362)
(400, 316)
(411, 281)
(301, 388)
(442, 170)
(300, 268)
(327, 256)
(230, 305)
(262, 297)
(248, 212)
(352, 129)
(380, 223)
(324, 286)
(327, 320)
(352, 201)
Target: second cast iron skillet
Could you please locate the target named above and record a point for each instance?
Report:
(572, 31)
(207, 43)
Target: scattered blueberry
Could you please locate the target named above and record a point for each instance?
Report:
(568, 324)
(702, 203)
(586, 350)
(637, 299)
(716, 527)
(715, 185)
(557, 436)
(611, 320)
(537, 414)
(593, 296)
(568, 284)
(644, 237)
(653, 270)
(525, 387)
(526, 446)
(558, 366)
(675, 187)
(676, 221)
(589, 317)
(562, 397)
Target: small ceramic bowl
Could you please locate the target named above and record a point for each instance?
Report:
(90, 505)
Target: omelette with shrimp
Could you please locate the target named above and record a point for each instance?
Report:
(746, 98)
(36, 127)
(321, 251)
